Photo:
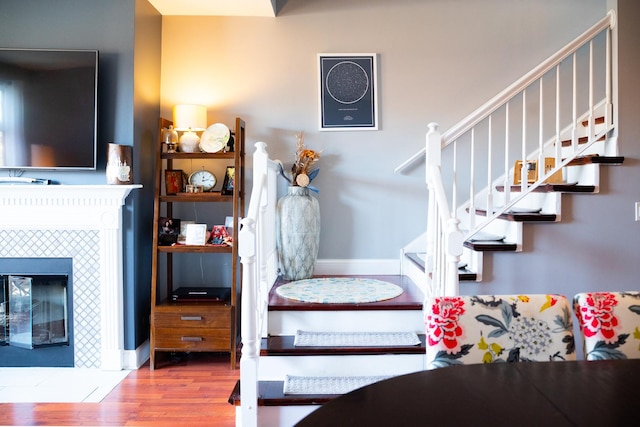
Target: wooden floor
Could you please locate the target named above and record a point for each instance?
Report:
(190, 391)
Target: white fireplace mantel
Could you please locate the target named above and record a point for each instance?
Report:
(80, 207)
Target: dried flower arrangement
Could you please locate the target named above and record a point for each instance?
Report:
(301, 171)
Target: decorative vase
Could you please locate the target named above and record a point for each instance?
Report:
(297, 233)
(119, 164)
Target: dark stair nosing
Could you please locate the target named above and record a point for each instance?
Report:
(490, 246)
(553, 188)
(596, 159)
(271, 393)
(522, 217)
(284, 346)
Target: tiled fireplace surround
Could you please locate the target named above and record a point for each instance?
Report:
(84, 223)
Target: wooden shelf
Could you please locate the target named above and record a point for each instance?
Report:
(210, 249)
(210, 197)
(208, 156)
(195, 326)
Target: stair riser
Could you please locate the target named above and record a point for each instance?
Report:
(274, 368)
(278, 416)
(415, 273)
(288, 322)
(584, 174)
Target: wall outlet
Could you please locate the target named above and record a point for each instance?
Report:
(637, 211)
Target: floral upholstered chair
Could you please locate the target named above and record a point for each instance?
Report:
(498, 328)
(609, 324)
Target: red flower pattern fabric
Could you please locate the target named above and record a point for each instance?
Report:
(609, 324)
(443, 323)
(597, 316)
(498, 329)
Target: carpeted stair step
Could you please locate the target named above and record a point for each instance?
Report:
(272, 393)
(328, 385)
(285, 346)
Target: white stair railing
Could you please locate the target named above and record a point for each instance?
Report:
(256, 245)
(528, 121)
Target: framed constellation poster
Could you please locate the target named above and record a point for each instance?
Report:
(348, 91)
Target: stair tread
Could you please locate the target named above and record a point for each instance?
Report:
(596, 159)
(553, 188)
(490, 246)
(284, 346)
(465, 275)
(410, 299)
(271, 393)
(522, 217)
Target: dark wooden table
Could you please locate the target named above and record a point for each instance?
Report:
(580, 393)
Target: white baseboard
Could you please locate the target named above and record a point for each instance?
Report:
(133, 359)
(357, 266)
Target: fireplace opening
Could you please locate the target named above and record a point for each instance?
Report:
(36, 315)
(35, 310)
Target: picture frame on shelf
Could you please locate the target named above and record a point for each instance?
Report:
(173, 181)
(168, 231)
(219, 235)
(227, 183)
(196, 234)
(183, 231)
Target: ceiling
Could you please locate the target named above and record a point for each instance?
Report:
(215, 7)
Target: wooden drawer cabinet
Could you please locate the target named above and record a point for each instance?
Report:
(193, 339)
(184, 317)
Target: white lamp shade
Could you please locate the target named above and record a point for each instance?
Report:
(190, 117)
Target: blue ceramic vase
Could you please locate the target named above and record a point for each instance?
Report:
(297, 233)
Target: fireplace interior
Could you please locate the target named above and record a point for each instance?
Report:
(36, 315)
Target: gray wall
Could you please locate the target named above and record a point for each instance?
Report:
(438, 61)
(129, 85)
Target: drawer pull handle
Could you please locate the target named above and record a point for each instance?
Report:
(190, 317)
(192, 339)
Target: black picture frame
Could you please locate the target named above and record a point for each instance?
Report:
(348, 98)
(168, 231)
(228, 182)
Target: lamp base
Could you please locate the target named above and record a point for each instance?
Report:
(189, 142)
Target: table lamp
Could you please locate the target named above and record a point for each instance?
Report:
(189, 119)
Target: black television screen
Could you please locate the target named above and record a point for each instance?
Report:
(48, 109)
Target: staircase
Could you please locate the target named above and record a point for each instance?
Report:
(580, 177)
(270, 322)
(482, 191)
(279, 356)
(510, 162)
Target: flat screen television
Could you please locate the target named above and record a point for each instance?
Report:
(48, 109)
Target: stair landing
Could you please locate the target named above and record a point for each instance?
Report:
(410, 299)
